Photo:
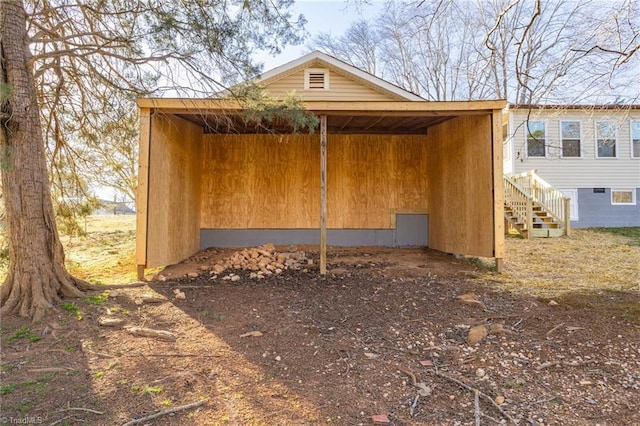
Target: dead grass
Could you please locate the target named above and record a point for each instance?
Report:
(587, 261)
(106, 255)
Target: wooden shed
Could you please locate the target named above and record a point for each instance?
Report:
(386, 168)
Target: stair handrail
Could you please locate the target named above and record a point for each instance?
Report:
(546, 196)
(520, 201)
(523, 180)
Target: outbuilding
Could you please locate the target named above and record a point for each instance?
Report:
(385, 168)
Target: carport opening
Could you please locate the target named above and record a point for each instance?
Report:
(411, 165)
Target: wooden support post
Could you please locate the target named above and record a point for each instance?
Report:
(499, 264)
(500, 223)
(140, 272)
(142, 198)
(323, 195)
(567, 216)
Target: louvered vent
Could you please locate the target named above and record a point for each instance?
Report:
(316, 79)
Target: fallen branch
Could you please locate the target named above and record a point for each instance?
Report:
(555, 328)
(50, 370)
(148, 332)
(472, 389)
(59, 421)
(565, 363)
(409, 373)
(86, 348)
(414, 405)
(111, 322)
(89, 410)
(116, 286)
(174, 355)
(543, 401)
(546, 365)
(165, 412)
(476, 403)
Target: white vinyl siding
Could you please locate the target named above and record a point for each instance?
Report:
(588, 171)
(635, 138)
(606, 139)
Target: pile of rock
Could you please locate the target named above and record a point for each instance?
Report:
(261, 261)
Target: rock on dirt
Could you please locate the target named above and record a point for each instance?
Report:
(260, 261)
(476, 334)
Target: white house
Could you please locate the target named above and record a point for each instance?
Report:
(590, 153)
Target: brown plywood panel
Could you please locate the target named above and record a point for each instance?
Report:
(372, 175)
(226, 190)
(410, 172)
(307, 177)
(261, 181)
(272, 181)
(460, 176)
(174, 190)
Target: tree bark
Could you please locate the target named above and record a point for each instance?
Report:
(37, 276)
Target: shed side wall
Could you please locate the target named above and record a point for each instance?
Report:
(173, 230)
(461, 179)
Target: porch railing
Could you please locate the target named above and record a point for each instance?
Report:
(542, 194)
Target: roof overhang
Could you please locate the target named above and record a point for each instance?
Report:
(226, 116)
(585, 107)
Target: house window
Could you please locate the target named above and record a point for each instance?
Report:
(635, 139)
(536, 139)
(606, 139)
(316, 79)
(570, 138)
(623, 196)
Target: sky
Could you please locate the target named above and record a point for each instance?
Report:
(327, 16)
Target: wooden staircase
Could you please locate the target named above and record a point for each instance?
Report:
(534, 208)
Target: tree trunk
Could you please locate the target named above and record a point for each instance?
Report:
(37, 276)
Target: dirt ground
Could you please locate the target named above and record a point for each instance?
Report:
(382, 339)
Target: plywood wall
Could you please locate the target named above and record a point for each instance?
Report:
(272, 181)
(460, 172)
(260, 181)
(174, 190)
(369, 176)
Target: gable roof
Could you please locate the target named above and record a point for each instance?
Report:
(319, 59)
(395, 111)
